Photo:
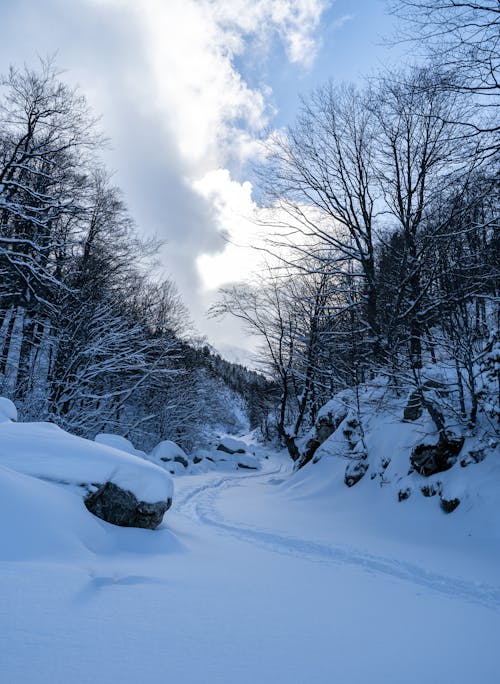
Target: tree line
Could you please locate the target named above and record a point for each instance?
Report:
(381, 213)
(87, 338)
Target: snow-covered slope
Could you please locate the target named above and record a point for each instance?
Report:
(371, 446)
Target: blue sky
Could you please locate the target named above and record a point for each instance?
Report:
(352, 43)
(185, 89)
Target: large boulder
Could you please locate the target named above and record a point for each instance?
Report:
(121, 507)
(124, 489)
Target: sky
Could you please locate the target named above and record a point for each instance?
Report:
(185, 90)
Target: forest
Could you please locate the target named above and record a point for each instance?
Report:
(380, 210)
(89, 338)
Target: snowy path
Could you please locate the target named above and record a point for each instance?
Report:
(232, 590)
(201, 504)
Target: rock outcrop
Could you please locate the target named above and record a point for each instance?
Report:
(430, 459)
(354, 472)
(328, 420)
(419, 397)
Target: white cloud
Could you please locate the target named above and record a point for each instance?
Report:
(209, 110)
(235, 212)
(258, 237)
(294, 21)
(169, 78)
(191, 46)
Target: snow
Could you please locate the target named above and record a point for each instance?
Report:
(115, 441)
(268, 576)
(247, 580)
(337, 405)
(247, 461)
(233, 444)
(8, 410)
(45, 451)
(41, 520)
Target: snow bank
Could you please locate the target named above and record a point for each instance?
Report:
(44, 451)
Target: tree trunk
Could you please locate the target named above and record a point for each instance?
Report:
(14, 355)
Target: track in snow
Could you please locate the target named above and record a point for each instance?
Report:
(199, 504)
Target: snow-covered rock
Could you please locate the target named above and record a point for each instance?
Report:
(46, 452)
(329, 417)
(375, 446)
(8, 410)
(247, 461)
(428, 459)
(226, 454)
(120, 507)
(231, 445)
(115, 441)
(169, 455)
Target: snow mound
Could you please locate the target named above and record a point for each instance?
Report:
(7, 410)
(247, 461)
(232, 445)
(45, 451)
(167, 451)
(119, 442)
(115, 441)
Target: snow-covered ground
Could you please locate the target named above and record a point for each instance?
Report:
(252, 577)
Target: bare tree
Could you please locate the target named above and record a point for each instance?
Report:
(47, 138)
(420, 155)
(320, 181)
(463, 40)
